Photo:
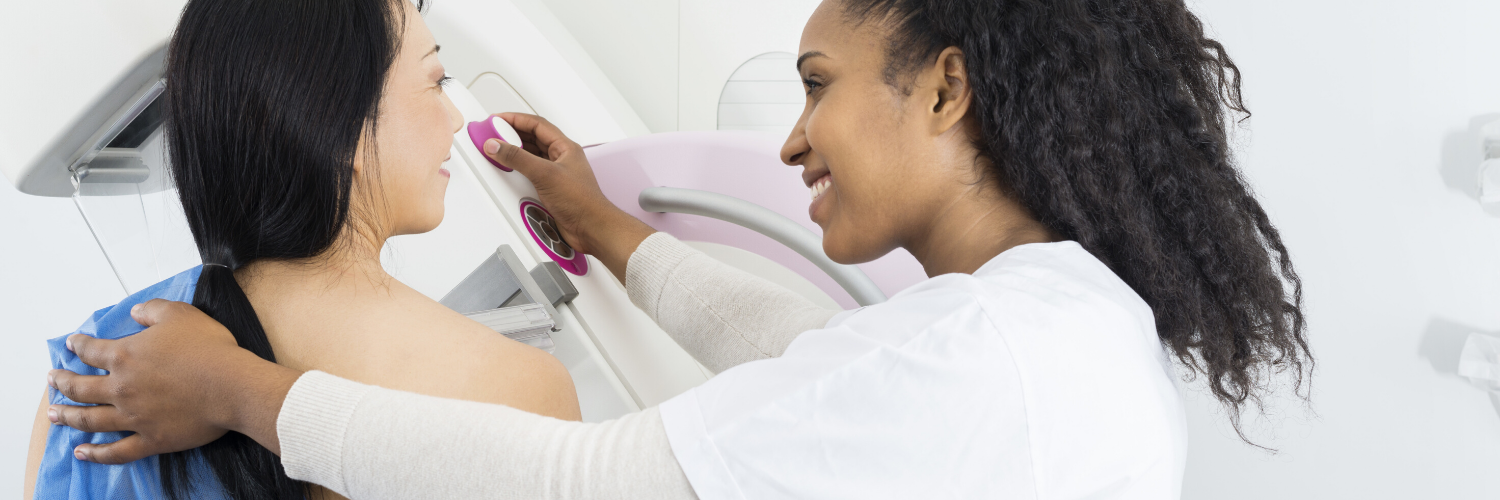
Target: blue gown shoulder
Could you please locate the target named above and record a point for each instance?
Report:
(63, 477)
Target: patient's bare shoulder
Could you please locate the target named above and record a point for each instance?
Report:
(441, 353)
(401, 339)
(505, 371)
(39, 430)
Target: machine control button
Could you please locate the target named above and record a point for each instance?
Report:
(492, 128)
(543, 229)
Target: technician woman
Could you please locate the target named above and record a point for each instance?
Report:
(1061, 170)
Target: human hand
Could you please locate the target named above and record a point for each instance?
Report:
(178, 385)
(565, 182)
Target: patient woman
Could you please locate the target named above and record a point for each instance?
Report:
(302, 135)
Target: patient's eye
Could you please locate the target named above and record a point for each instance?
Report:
(444, 81)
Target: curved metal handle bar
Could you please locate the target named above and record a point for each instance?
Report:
(762, 220)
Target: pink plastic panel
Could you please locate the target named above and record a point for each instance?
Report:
(744, 165)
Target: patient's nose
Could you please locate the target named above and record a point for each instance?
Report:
(455, 118)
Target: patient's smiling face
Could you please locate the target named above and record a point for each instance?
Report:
(403, 193)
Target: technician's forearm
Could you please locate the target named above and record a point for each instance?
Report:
(253, 393)
(721, 315)
(368, 442)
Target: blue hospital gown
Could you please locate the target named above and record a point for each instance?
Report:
(63, 477)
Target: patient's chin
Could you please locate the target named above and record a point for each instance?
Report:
(424, 222)
(432, 224)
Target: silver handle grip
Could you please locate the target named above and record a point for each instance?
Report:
(764, 221)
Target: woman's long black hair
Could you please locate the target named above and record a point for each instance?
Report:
(266, 103)
(1107, 120)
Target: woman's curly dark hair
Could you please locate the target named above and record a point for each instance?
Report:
(1107, 120)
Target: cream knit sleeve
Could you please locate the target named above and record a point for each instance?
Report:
(721, 315)
(369, 443)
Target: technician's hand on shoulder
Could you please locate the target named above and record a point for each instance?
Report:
(144, 393)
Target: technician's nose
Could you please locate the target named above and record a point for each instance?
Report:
(796, 148)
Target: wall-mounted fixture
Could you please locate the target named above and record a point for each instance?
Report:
(764, 94)
(1489, 171)
(1480, 361)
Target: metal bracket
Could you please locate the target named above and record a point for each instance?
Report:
(114, 166)
(528, 324)
(501, 283)
(554, 282)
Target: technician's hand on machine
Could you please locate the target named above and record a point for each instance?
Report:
(566, 185)
(231, 388)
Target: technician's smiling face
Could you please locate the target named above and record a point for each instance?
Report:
(870, 155)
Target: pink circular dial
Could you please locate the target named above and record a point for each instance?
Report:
(543, 229)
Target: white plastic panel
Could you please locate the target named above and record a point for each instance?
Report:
(521, 41)
(634, 43)
(59, 57)
(497, 96)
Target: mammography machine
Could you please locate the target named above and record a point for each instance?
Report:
(496, 256)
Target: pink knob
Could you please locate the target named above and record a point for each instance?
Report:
(492, 128)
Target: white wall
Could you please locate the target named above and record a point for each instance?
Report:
(1364, 113)
(1362, 148)
(635, 44)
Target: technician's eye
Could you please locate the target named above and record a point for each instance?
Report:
(811, 86)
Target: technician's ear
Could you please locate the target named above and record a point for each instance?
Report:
(950, 93)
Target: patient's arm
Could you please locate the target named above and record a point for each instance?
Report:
(39, 431)
(721, 315)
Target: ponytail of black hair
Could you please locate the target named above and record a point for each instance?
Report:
(1106, 119)
(266, 103)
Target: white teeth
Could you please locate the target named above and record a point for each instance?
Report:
(821, 186)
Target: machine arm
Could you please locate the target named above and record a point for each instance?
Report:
(764, 221)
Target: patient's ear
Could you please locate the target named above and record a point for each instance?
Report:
(359, 155)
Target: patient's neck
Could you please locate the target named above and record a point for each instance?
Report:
(350, 265)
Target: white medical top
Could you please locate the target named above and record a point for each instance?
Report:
(1039, 376)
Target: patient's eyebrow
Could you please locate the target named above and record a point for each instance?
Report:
(808, 55)
(435, 49)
